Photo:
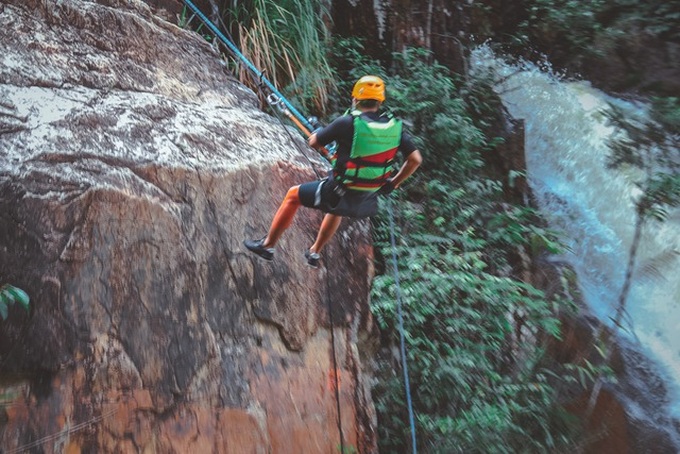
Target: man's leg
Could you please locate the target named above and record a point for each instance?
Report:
(283, 217)
(329, 226)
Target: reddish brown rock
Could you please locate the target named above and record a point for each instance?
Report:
(132, 166)
(606, 431)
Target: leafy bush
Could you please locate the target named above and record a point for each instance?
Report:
(479, 378)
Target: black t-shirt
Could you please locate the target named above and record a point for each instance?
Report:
(341, 131)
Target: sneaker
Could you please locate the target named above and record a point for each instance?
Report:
(256, 246)
(312, 259)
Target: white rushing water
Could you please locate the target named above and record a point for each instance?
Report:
(592, 207)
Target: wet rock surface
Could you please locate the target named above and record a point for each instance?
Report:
(132, 166)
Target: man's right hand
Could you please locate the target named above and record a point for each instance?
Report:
(387, 188)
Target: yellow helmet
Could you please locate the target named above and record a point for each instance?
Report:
(369, 87)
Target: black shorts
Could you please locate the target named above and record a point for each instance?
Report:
(320, 195)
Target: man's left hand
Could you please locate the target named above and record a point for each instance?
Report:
(387, 188)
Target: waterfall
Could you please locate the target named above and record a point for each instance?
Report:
(593, 208)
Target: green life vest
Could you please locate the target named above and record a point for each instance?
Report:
(374, 146)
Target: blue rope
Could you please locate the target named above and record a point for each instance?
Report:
(400, 317)
(248, 63)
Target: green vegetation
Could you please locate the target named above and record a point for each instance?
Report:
(475, 333)
(288, 41)
(10, 295)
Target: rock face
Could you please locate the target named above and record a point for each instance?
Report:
(131, 168)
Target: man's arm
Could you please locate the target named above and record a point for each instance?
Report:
(336, 130)
(412, 162)
(314, 141)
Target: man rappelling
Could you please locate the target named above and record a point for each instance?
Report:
(368, 140)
